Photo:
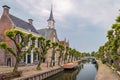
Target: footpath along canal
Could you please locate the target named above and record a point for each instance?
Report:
(86, 71)
(106, 73)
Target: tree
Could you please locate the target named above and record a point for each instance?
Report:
(110, 50)
(77, 55)
(66, 53)
(44, 46)
(93, 53)
(73, 51)
(54, 48)
(69, 54)
(61, 53)
(18, 53)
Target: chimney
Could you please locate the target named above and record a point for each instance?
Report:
(30, 21)
(6, 9)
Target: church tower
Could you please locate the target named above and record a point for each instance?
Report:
(51, 20)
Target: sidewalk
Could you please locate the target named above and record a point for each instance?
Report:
(105, 72)
(28, 70)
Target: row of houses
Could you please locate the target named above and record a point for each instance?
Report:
(9, 21)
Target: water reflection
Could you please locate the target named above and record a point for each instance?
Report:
(86, 71)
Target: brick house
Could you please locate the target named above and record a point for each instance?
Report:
(64, 42)
(9, 21)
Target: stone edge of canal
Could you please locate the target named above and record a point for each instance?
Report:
(43, 75)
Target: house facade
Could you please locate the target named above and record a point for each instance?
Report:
(9, 21)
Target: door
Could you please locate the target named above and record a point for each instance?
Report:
(29, 59)
(9, 62)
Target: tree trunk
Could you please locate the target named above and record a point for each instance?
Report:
(69, 59)
(16, 67)
(51, 63)
(39, 65)
(72, 59)
(59, 61)
(64, 60)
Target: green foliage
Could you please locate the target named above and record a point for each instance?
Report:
(103, 60)
(93, 53)
(44, 46)
(15, 35)
(110, 49)
(39, 68)
(3, 45)
(118, 19)
(110, 33)
(114, 57)
(61, 50)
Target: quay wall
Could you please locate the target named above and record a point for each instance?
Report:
(43, 75)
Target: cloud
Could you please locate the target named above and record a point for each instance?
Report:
(83, 22)
(95, 11)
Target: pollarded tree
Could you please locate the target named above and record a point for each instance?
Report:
(114, 40)
(77, 55)
(93, 53)
(101, 52)
(54, 47)
(18, 53)
(110, 48)
(69, 54)
(72, 54)
(66, 53)
(61, 53)
(43, 47)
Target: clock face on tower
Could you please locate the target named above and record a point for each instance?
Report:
(51, 24)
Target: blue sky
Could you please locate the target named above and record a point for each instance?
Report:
(83, 22)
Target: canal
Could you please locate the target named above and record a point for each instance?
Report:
(86, 71)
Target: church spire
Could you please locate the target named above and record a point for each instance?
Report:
(51, 20)
(51, 16)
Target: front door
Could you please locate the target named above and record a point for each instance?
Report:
(29, 59)
(9, 62)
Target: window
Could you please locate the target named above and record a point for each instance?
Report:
(35, 57)
(36, 43)
(19, 38)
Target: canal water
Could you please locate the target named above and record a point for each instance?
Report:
(86, 71)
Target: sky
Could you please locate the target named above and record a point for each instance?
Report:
(84, 23)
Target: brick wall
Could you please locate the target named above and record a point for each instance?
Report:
(5, 24)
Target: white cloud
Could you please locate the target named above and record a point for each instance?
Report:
(97, 11)
(73, 15)
(42, 7)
